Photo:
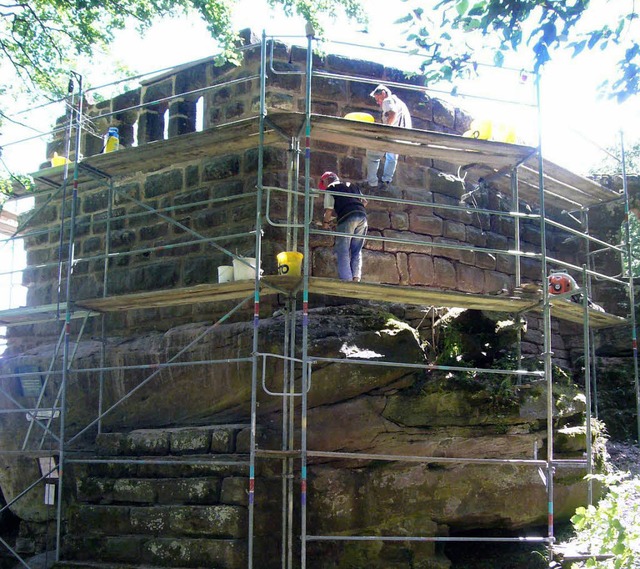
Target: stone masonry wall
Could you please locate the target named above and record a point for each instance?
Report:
(162, 227)
(215, 197)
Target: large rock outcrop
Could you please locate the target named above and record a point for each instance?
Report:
(198, 375)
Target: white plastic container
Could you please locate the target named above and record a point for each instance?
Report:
(225, 273)
(242, 272)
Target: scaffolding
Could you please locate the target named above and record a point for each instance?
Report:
(518, 171)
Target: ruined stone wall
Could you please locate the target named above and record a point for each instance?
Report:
(383, 410)
(214, 197)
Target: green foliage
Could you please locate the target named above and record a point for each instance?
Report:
(611, 527)
(310, 9)
(634, 241)
(467, 339)
(612, 164)
(7, 185)
(448, 34)
(40, 38)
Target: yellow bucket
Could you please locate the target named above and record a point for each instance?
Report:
(362, 117)
(58, 160)
(290, 263)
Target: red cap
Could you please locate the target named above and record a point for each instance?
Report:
(327, 179)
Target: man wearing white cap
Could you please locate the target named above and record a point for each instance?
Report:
(394, 113)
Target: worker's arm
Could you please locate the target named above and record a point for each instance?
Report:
(390, 117)
(328, 216)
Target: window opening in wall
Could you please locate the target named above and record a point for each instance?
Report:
(200, 114)
(134, 142)
(165, 132)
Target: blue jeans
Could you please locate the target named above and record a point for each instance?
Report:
(349, 248)
(373, 163)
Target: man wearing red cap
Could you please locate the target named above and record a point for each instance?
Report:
(349, 208)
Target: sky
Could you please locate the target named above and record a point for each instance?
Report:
(575, 123)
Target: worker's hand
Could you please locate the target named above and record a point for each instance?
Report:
(328, 219)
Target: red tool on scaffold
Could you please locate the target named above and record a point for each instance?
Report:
(561, 282)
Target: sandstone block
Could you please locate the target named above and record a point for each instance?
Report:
(228, 553)
(379, 267)
(379, 220)
(235, 491)
(159, 184)
(469, 279)
(421, 270)
(222, 440)
(454, 230)
(150, 442)
(188, 490)
(189, 441)
(445, 273)
(399, 221)
(425, 224)
(220, 168)
(374, 244)
(416, 242)
(100, 520)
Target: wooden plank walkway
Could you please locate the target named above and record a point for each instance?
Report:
(228, 138)
(479, 158)
(486, 158)
(520, 301)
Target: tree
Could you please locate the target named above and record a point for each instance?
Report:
(612, 163)
(39, 38)
(453, 29)
(611, 526)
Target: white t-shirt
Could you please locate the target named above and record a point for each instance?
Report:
(393, 104)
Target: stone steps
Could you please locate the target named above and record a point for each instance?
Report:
(163, 498)
(220, 521)
(167, 466)
(160, 551)
(187, 490)
(215, 439)
(93, 565)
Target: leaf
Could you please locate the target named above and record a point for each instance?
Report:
(549, 33)
(404, 19)
(578, 47)
(516, 38)
(478, 9)
(498, 58)
(471, 24)
(462, 7)
(594, 39)
(619, 548)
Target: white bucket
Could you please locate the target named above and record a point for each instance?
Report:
(225, 273)
(242, 272)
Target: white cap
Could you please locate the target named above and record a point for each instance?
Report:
(379, 88)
